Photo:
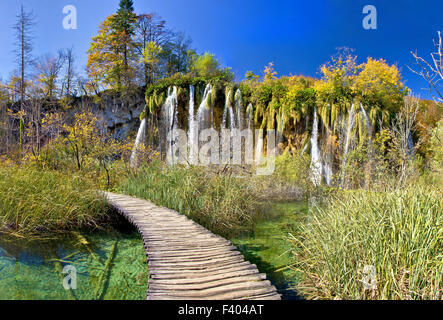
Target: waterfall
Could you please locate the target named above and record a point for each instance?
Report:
(239, 108)
(170, 113)
(366, 121)
(250, 117)
(204, 113)
(259, 147)
(139, 140)
(193, 129)
(315, 153)
(348, 133)
(327, 166)
(227, 111)
(347, 142)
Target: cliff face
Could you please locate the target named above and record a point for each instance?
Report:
(119, 115)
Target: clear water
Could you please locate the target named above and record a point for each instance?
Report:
(34, 270)
(268, 248)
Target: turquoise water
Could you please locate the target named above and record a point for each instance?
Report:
(112, 265)
(109, 266)
(268, 248)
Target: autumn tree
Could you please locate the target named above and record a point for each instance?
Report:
(111, 56)
(123, 27)
(207, 65)
(105, 63)
(150, 58)
(150, 28)
(48, 69)
(380, 88)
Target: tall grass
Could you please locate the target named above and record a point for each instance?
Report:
(34, 201)
(400, 233)
(222, 203)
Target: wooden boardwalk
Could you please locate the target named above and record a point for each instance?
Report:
(188, 262)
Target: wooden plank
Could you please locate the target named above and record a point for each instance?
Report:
(186, 261)
(204, 279)
(154, 285)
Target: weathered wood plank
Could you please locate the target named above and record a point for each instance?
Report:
(186, 261)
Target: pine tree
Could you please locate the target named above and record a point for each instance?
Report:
(123, 23)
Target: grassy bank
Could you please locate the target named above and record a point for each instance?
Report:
(222, 203)
(400, 234)
(34, 201)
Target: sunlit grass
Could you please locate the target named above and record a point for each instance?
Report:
(34, 201)
(222, 203)
(400, 233)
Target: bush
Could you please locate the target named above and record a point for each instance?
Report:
(399, 233)
(219, 202)
(34, 201)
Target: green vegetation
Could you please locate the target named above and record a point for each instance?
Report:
(220, 202)
(400, 233)
(35, 201)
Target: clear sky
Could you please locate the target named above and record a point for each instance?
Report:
(298, 36)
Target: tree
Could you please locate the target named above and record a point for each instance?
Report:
(150, 57)
(175, 54)
(105, 64)
(23, 34)
(207, 65)
(70, 71)
(123, 26)
(251, 76)
(269, 72)
(149, 28)
(23, 51)
(432, 72)
(48, 68)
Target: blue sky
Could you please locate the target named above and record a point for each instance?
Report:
(298, 36)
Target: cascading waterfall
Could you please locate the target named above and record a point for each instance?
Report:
(193, 128)
(347, 141)
(348, 132)
(259, 147)
(366, 120)
(327, 166)
(204, 113)
(141, 135)
(170, 109)
(239, 109)
(316, 166)
(227, 112)
(250, 116)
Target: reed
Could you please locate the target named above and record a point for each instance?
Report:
(399, 233)
(220, 202)
(36, 201)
